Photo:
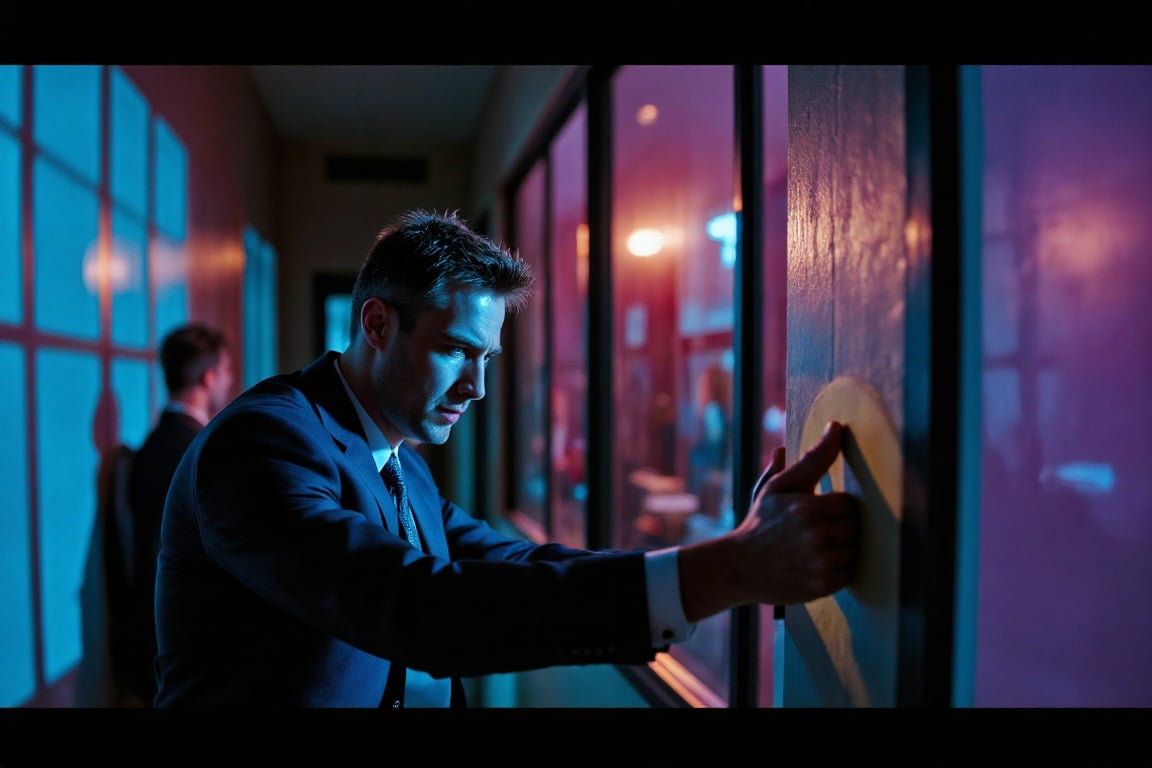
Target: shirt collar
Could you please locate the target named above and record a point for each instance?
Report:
(177, 406)
(377, 443)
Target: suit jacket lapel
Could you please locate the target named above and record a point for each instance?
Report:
(322, 386)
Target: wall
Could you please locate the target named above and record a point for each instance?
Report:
(329, 226)
(232, 176)
(517, 100)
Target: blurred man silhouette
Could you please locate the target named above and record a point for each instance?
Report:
(197, 365)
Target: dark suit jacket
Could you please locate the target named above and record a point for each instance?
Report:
(283, 580)
(152, 468)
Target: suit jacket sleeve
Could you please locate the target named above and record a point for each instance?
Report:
(294, 514)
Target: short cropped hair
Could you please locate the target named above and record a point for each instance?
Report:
(188, 352)
(422, 257)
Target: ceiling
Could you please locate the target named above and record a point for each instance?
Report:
(375, 109)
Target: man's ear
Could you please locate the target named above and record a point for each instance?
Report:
(378, 322)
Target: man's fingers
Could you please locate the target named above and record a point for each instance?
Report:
(802, 476)
(773, 468)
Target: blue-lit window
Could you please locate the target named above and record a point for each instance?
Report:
(66, 220)
(11, 304)
(17, 641)
(67, 389)
(260, 359)
(103, 184)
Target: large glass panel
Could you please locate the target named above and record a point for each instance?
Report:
(66, 116)
(171, 183)
(131, 381)
(529, 413)
(65, 221)
(67, 388)
(11, 252)
(260, 358)
(128, 146)
(169, 272)
(673, 247)
(1065, 525)
(11, 94)
(17, 653)
(568, 275)
(128, 275)
(337, 310)
(773, 316)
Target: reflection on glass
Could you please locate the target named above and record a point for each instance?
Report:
(568, 277)
(1065, 524)
(672, 279)
(530, 403)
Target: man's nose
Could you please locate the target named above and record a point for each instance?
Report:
(472, 383)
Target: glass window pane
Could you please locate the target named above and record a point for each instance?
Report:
(17, 655)
(673, 255)
(11, 252)
(773, 316)
(568, 275)
(260, 339)
(171, 183)
(1065, 526)
(269, 359)
(169, 267)
(129, 277)
(128, 148)
(337, 311)
(67, 389)
(66, 217)
(530, 404)
(131, 382)
(11, 94)
(67, 113)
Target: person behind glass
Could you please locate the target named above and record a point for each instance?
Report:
(286, 577)
(709, 457)
(197, 366)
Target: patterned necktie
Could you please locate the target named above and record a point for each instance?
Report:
(395, 482)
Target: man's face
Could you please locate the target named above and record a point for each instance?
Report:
(425, 379)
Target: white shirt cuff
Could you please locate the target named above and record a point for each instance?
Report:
(665, 612)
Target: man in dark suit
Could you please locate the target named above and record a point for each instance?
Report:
(286, 574)
(197, 365)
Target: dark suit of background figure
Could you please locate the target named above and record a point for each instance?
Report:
(152, 469)
(290, 586)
